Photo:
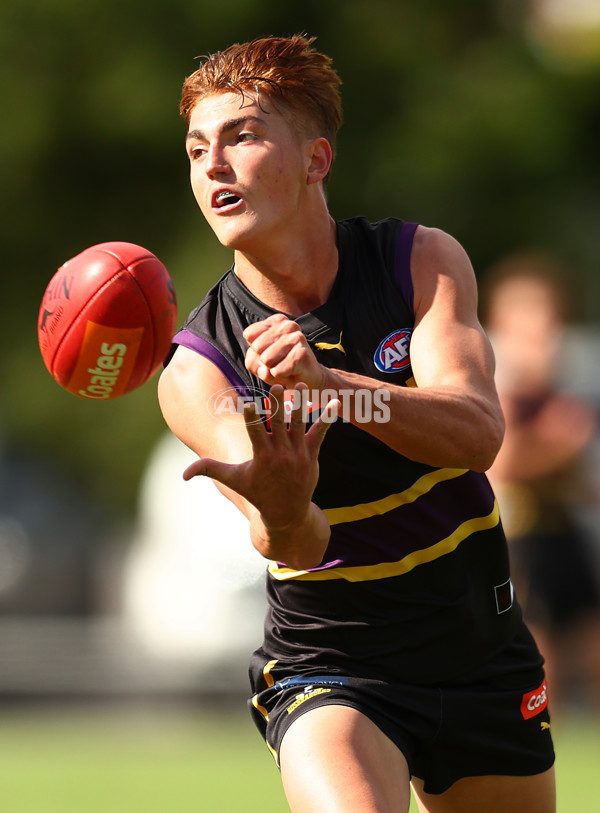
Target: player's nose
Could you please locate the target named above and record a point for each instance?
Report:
(216, 162)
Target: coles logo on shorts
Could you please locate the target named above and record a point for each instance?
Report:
(534, 702)
(392, 355)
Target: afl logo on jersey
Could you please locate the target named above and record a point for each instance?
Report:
(392, 355)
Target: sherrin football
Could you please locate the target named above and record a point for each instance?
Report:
(106, 320)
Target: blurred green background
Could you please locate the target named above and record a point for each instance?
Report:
(458, 114)
(481, 117)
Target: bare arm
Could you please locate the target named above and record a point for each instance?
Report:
(270, 476)
(452, 418)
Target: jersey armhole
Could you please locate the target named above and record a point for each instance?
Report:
(203, 347)
(402, 268)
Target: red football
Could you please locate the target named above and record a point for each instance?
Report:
(106, 320)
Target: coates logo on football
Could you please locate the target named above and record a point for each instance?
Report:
(534, 702)
(392, 355)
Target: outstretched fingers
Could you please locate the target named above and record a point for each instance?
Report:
(298, 412)
(215, 469)
(277, 416)
(286, 441)
(316, 433)
(254, 426)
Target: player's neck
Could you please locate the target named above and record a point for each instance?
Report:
(293, 275)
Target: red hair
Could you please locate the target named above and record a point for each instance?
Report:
(287, 70)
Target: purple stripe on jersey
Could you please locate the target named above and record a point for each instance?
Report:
(188, 339)
(403, 276)
(416, 526)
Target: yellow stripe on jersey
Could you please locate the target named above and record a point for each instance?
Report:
(269, 679)
(364, 510)
(274, 753)
(386, 570)
(260, 708)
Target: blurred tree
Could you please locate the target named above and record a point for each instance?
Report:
(452, 119)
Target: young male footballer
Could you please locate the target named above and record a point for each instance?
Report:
(394, 648)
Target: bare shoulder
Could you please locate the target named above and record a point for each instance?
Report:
(185, 390)
(433, 245)
(441, 270)
(448, 341)
(187, 376)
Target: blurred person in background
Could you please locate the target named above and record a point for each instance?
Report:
(539, 475)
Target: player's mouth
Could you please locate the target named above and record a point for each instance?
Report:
(225, 200)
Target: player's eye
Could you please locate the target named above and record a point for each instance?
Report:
(196, 152)
(245, 136)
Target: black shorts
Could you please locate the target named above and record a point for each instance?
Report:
(493, 721)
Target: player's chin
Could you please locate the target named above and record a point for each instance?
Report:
(238, 237)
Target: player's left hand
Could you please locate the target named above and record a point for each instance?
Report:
(278, 353)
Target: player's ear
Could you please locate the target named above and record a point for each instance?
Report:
(320, 156)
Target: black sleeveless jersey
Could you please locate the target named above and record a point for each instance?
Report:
(414, 585)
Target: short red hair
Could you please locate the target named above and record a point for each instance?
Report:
(287, 70)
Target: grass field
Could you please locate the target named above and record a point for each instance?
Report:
(125, 760)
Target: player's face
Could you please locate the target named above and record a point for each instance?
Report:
(248, 169)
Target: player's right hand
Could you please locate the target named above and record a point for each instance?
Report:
(280, 478)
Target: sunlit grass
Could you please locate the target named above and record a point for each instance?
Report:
(123, 760)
